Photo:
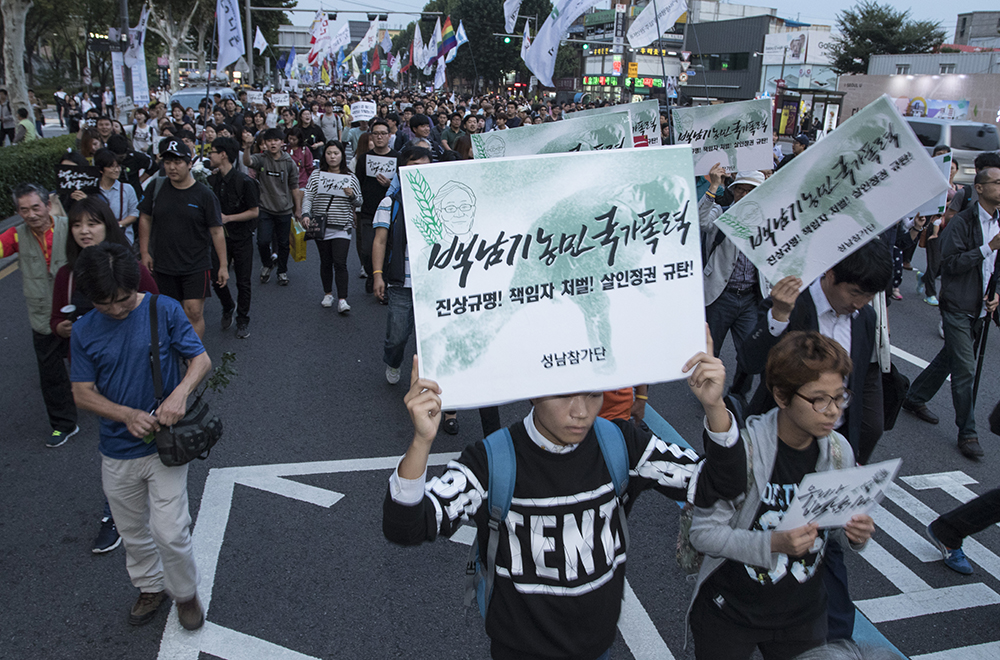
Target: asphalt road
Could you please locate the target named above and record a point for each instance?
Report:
(293, 555)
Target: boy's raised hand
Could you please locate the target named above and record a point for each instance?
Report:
(424, 405)
(708, 382)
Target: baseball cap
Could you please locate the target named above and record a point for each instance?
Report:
(752, 178)
(174, 147)
(802, 139)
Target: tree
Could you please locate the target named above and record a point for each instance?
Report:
(872, 29)
(15, 14)
(171, 20)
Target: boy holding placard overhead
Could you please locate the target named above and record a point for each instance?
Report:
(553, 566)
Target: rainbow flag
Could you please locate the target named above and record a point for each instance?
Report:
(448, 40)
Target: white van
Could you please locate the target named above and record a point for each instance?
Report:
(967, 140)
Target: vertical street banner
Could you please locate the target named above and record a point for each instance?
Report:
(645, 117)
(597, 133)
(231, 48)
(738, 135)
(550, 274)
(835, 196)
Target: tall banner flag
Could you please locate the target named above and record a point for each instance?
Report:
(231, 48)
(434, 44)
(118, 68)
(409, 61)
(510, 9)
(137, 41)
(364, 62)
(525, 42)
(290, 64)
(282, 61)
(658, 12)
(448, 40)
(460, 39)
(259, 42)
(355, 71)
(440, 78)
(319, 38)
(396, 67)
(541, 59)
(417, 48)
(376, 63)
(386, 43)
(324, 74)
(341, 40)
(368, 41)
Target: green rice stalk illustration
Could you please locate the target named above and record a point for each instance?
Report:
(480, 147)
(426, 221)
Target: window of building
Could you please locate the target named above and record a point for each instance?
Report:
(947, 68)
(722, 61)
(902, 69)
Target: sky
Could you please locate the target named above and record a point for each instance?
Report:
(818, 13)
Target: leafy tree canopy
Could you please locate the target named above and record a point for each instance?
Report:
(870, 28)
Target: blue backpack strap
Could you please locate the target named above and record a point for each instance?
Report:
(615, 452)
(502, 465)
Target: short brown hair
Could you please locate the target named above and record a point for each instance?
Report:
(800, 358)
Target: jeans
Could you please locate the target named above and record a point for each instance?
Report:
(933, 266)
(958, 358)
(50, 351)
(333, 259)
(398, 325)
(149, 502)
(970, 518)
(363, 244)
(736, 312)
(239, 251)
(278, 227)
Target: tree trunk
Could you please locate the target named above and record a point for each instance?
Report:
(201, 35)
(15, 13)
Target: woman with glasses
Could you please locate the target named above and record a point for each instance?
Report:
(759, 588)
(119, 196)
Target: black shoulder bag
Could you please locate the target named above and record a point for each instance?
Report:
(193, 436)
(316, 230)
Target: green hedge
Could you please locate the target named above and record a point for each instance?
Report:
(31, 162)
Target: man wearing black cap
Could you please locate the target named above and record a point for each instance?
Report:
(184, 220)
(799, 144)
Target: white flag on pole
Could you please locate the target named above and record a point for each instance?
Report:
(461, 38)
(137, 41)
(439, 76)
(510, 9)
(341, 40)
(231, 48)
(368, 41)
(434, 44)
(665, 12)
(541, 57)
(320, 38)
(397, 66)
(525, 42)
(418, 47)
(259, 42)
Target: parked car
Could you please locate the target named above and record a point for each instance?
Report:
(967, 140)
(190, 97)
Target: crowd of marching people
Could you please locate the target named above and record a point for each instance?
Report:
(184, 197)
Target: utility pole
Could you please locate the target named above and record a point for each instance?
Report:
(249, 42)
(124, 40)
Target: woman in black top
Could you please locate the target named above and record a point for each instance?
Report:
(312, 134)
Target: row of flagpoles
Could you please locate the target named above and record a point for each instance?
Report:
(539, 54)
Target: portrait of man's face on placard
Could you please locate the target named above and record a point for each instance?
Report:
(455, 204)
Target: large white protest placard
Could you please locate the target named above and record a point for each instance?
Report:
(546, 274)
(645, 117)
(256, 98)
(937, 205)
(280, 100)
(384, 165)
(830, 499)
(331, 183)
(738, 135)
(596, 133)
(835, 196)
(362, 111)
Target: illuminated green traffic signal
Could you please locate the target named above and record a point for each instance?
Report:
(586, 46)
(506, 40)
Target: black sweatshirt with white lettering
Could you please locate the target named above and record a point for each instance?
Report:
(561, 559)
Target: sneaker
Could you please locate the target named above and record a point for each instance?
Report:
(265, 274)
(362, 274)
(190, 614)
(391, 375)
(227, 319)
(327, 300)
(108, 538)
(953, 559)
(941, 328)
(282, 279)
(931, 300)
(242, 329)
(343, 307)
(920, 282)
(146, 607)
(59, 438)
(274, 257)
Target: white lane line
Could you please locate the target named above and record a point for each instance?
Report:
(911, 358)
(922, 603)
(916, 544)
(640, 633)
(990, 651)
(905, 580)
(293, 490)
(232, 645)
(466, 535)
(953, 483)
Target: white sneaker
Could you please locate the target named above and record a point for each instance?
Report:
(362, 274)
(391, 375)
(327, 300)
(343, 307)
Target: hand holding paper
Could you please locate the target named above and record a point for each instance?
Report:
(708, 382)
(794, 542)
(783, 295)
(859, 529)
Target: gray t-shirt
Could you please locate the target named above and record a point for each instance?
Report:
(277, 179)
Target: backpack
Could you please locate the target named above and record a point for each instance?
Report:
(500, 491)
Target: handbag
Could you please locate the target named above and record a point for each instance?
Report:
(197, 432)
(297, 242)
(337, 223)
(894, 388)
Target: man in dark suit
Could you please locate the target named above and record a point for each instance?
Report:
(835, 305)
(968, 257)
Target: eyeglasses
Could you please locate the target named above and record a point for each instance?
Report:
(380, 134)
(455, 208)
(822, 402)
(986, 183)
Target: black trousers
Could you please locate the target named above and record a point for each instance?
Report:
(50, 351)
(933, 266)
(718, 638)
(839, 606)
(489, 417)
(972, 517)
(239, 252)
(333, 260)
(363, 244)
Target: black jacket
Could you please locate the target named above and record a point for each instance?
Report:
(395, 245)
(962, 264)
(758, 345)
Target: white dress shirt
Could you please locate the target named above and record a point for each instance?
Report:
(990, 229)
(831, 324)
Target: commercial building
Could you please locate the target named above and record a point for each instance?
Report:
(935, 64)
(726, 57)
(978, 28)
(972, 97)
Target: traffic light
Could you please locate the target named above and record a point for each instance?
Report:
(372, 17)
(331, 17)
(586, 46)
(506, 40)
